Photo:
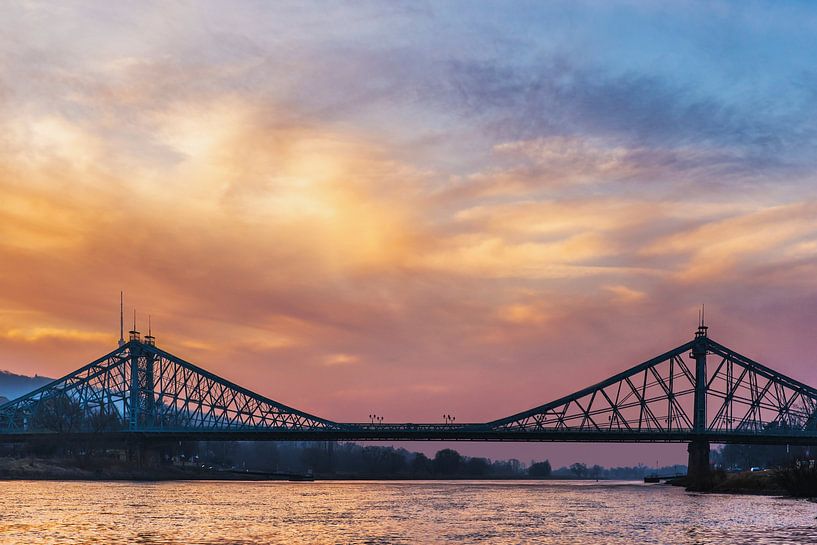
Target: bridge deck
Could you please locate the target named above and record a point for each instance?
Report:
(400, 433)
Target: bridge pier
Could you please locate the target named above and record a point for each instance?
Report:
(698, 474)
(146, 454)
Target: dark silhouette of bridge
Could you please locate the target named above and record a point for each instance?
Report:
(699, 392)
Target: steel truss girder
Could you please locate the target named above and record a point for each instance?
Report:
(140, 388)
(657, 397)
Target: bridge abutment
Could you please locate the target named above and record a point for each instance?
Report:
(698, 473)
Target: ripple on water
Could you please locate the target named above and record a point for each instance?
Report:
(375, 513)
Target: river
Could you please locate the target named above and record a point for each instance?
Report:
(496, 513)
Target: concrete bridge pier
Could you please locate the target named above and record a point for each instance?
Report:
(146, 454)
(698, 473)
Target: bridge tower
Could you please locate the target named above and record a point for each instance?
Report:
(142, 382)
(134, 339)
(698, 448)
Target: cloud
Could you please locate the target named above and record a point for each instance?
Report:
(341, 359)
(745, 242)
(36, 334)
(388, 204)
(520, 313)
(625, 294)
(560, 97)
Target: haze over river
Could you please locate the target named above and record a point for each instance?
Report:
(557, 512)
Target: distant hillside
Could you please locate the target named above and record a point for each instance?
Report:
(13, 385)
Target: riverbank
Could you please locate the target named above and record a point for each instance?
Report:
(71, 470)
(114, 468)
(761, 483)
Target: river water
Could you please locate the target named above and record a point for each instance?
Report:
(557, 512)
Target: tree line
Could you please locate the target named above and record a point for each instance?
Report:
(354, 460)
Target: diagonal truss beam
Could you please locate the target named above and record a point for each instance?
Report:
(740, 397)
(613, 407)
(139, 388)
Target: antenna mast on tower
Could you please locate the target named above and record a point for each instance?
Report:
(121, 318)
(134, 334)
(702, 327)
(150, 339)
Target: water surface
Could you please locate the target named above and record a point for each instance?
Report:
(496, 513)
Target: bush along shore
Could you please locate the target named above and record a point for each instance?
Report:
(797, 480)
(296, 461)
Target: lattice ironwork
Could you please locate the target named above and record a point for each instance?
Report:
(744, 396)
(141, 388)
(699, 391)
(657, 395)
(738, 397)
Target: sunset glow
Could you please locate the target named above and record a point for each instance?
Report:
(389, 208)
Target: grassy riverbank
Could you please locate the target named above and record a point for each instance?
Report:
(767, 483)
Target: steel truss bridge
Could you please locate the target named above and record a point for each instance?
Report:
(698, 392)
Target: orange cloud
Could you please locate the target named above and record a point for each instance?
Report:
(35, 334)
(520, 313)
(753, 239)
(626, 294)
(341, 359)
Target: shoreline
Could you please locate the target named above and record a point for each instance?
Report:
(153, 476)
(35, 468)
(40, 469)
(744, 484)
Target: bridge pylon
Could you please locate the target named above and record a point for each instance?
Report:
(698, 460)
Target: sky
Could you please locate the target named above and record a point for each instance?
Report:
(410, 209)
